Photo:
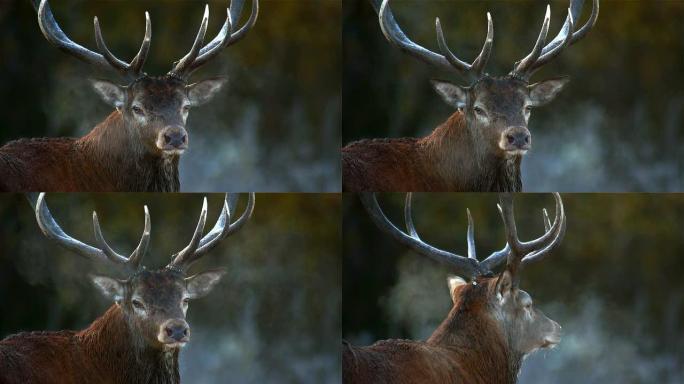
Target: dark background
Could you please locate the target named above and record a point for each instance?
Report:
(616, 127)
(274, 318)
(614, 284)
(274, 127)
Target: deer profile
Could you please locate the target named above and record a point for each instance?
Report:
(139, 338)
(139, 145)
(492, 325)
(481, 146)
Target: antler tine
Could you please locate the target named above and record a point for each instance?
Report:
(53, 231)
(105, 60)
(227, 36)
(455, 62)
(408, 216)
(547, 221)
(558, 234)
(522, 67)
(465, 267)
(567, 36)
(54, 34)
(133, 261)
(138, 61)
(119, 65)
(472, 253)
(396, 36)
(183, 65)
(480, 62)
(222, 229)
(181, 257)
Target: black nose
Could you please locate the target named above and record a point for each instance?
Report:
(518, 139)
(177, 332)
(175, 139)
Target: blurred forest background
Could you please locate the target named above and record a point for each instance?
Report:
(274, 318)
(614, 284)
(274, 128)
(616, 127)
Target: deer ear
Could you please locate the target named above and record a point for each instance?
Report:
(205, 90)
(202, 283)
(454, 282)
(112, 94)
(504, 284)
(112, 288)
(452, 94)
(543, 92)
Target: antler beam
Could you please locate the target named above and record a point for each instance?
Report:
(104, 253)
(199, 245)
(228, 35)
(448, 61)
(105, 61)
(514, 253)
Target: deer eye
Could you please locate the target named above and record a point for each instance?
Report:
(186, 108)
(137, 110)
(138, 304)
(528, 108)
(186, 301)
(479, 111)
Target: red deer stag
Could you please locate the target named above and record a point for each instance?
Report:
(138, 146)
(138, 339)
(480, 147)
(492, 325)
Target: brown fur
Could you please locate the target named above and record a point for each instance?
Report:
(469, 346)
(106, 159)
(446, 160)
(106, 352)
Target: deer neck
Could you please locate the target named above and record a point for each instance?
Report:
(121, 157)
(461, 158)
(475, 341)
(125, 357)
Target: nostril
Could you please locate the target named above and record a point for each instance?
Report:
(527, 139)
(510, 138)
(167, 138)
(185, 332)
(184, 138)
(169, 331)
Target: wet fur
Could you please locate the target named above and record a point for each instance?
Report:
(468, 347)
(105, 352)
(446, 160)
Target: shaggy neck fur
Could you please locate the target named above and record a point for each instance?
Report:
(124, 356)
(120, 155)
(463, 161)
(476, 340)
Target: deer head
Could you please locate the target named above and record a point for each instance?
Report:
(497, 109)
(154, 109)
(154, 302)
(476, 288)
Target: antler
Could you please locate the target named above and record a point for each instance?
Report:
(566, 37)
(515, 252)
(446, 61)
(199, 245)
(107, 61)
(228, 35)
(52, 230)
